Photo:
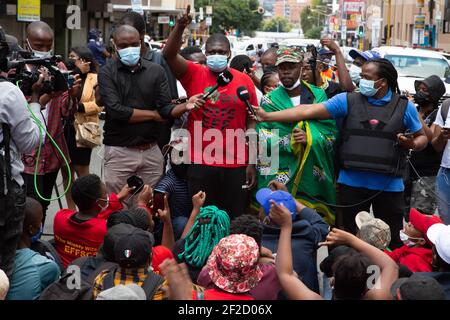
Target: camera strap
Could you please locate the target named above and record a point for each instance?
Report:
(5, 173)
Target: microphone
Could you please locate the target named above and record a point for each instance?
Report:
(222, 80)
(244, 96)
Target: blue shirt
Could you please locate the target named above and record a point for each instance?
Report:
(32, 274)
(97, 51)
(338, 108)
(179, 202)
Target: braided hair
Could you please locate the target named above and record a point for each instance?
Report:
(387, 71)
(211, 225)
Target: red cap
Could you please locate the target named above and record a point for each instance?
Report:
(423, 222)
(159, 255)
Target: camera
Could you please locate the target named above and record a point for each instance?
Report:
(27, 69)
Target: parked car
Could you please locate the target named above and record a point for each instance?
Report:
(417, 64)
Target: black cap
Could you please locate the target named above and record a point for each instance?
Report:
(326, 266)
(417, 287)
(435, 85)
(128, 246)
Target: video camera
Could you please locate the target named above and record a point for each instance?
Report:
(23, 69)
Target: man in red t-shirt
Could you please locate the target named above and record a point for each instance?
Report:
(81, 233)
(217, 130)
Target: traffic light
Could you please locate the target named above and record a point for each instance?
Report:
(172, 22)
(361, 30)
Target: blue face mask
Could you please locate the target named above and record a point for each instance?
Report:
(38, 235)
(130, 56)
(367, 87)
(217, 62)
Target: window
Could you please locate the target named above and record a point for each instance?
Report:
(419, 67)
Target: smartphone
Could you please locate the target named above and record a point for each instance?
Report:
(136, 182)
(158, 200)
(408, 134)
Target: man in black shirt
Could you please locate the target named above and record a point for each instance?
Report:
(137, 21)
(426, 162)
(137, 100)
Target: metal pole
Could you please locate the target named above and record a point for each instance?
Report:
(388, 36)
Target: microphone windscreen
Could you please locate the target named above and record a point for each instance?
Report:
(224, 78)
(243, 93)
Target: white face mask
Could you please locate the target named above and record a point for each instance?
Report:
(291, 88)
(355, 73)
(40, 54)
(406, 239)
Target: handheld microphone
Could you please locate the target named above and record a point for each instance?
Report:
(222, 80)
(244, 96)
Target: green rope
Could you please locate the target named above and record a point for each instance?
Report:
(211, 225)
(42, 132)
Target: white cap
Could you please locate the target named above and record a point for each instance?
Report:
(4, 285)
(362, 218)
(439, 235)
(129, 292)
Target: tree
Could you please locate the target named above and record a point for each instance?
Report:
(277, 24)
(308, 18)
(313, 33)
(233, 14)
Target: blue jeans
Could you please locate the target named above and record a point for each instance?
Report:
(178, 224)
(443, 191)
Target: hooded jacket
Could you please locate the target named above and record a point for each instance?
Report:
(416, 259)
(307, 231)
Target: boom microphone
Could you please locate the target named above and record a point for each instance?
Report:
(222, 80)
(244, 96)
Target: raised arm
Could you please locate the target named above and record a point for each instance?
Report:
(176, 62)
(388, 268)
(344, 77)
(298, 113)
(198, 200)
(292, 286)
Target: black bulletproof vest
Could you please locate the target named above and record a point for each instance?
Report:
(369, 140)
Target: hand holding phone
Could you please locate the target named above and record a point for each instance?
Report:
(135, 182)
(158, 200)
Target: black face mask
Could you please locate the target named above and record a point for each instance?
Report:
(422, 98)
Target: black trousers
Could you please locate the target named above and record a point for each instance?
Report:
(45, 184)
(387, 206)
(223, 187)
(11, 226)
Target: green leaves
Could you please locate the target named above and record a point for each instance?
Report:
(233, 14)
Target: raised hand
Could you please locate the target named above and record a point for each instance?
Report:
(185, 19)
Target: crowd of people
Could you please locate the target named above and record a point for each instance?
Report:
(238, 192)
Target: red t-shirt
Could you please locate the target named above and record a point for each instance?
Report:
(224, 112)
(74, 239)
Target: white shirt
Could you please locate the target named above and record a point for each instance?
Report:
(24, 132)
(296, 100)
(441, 123)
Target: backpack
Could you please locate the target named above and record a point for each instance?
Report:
(60, 290)
(63, 289)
